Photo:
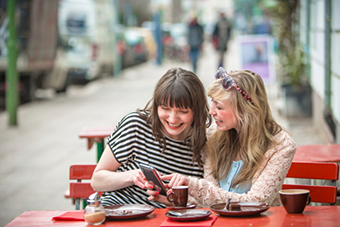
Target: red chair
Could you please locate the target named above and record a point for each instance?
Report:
(316, 170)
(80, 190)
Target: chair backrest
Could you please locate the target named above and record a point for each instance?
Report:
(316, 171)
(81, 190)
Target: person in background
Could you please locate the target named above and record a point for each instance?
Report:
(195, 41)
(221, 36)
(248, 153)
(168, 134)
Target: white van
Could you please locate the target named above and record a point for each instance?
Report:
(86, 29)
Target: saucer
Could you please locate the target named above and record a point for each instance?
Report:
(189, 206)
(247, 209)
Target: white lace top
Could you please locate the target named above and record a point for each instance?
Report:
(266, 183)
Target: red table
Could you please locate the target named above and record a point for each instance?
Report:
(327, 216)
(318, 153)
(96, 134)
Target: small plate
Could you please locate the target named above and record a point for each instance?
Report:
(128, 211)
(189, 206)
(247, 209)
(188, 214)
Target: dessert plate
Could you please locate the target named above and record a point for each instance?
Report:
(128, 211)
(247, 209)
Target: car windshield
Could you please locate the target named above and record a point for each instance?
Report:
(76, 24)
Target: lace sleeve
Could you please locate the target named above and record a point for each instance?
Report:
(266, 183)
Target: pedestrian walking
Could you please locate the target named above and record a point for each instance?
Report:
(195, 41)
(221, 36)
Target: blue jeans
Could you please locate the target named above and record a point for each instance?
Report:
(194, 55)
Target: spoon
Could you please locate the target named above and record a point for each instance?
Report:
(174, 213)
(226, 205)
(191, 213)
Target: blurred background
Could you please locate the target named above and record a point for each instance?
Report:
(68, 64)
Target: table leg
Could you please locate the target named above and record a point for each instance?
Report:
(84, 204)
(77, 204)
(100, 149)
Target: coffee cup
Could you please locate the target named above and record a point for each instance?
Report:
(178, 195)
(294, 200)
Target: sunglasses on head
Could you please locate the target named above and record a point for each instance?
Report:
(229, 82)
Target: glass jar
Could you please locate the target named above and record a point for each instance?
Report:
(94, 212)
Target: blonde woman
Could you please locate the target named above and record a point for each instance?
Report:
(248, 154)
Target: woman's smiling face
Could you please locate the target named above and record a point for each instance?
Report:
(176, 122)
(224, 115)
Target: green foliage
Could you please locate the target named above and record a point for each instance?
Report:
(293, 64)
(292, 60)
(246, 7)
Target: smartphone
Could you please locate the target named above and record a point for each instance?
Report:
(151, 175)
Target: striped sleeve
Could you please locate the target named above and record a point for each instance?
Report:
(123, 140)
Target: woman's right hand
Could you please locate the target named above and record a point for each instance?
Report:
(154, 194)
(139, 178)
(106, 178)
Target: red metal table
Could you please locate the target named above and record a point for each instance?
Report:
(96, 134)
(276, 216)
(318, 153)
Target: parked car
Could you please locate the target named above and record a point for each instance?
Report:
(149, 41)
(179, 33)
(175, 41)
(131, 47)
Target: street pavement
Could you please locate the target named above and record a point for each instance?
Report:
(36, 154)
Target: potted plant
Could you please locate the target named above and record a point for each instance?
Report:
(295, 88)
(292, 66)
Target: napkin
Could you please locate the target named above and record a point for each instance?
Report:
(209, 221)
(70, 216)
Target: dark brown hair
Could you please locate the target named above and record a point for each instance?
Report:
(183, 89)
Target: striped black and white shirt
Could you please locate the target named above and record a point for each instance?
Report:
(132, 143)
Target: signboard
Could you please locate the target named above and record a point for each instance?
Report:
(257, 55)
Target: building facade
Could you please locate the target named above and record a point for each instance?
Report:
(320, 34)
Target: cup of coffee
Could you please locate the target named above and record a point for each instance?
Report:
(179, 196)
(294, 200)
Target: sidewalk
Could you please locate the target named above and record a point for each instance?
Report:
(36, 155)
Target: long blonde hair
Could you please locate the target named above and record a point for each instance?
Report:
(257, 128)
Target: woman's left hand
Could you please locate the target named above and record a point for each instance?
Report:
(176, 179)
